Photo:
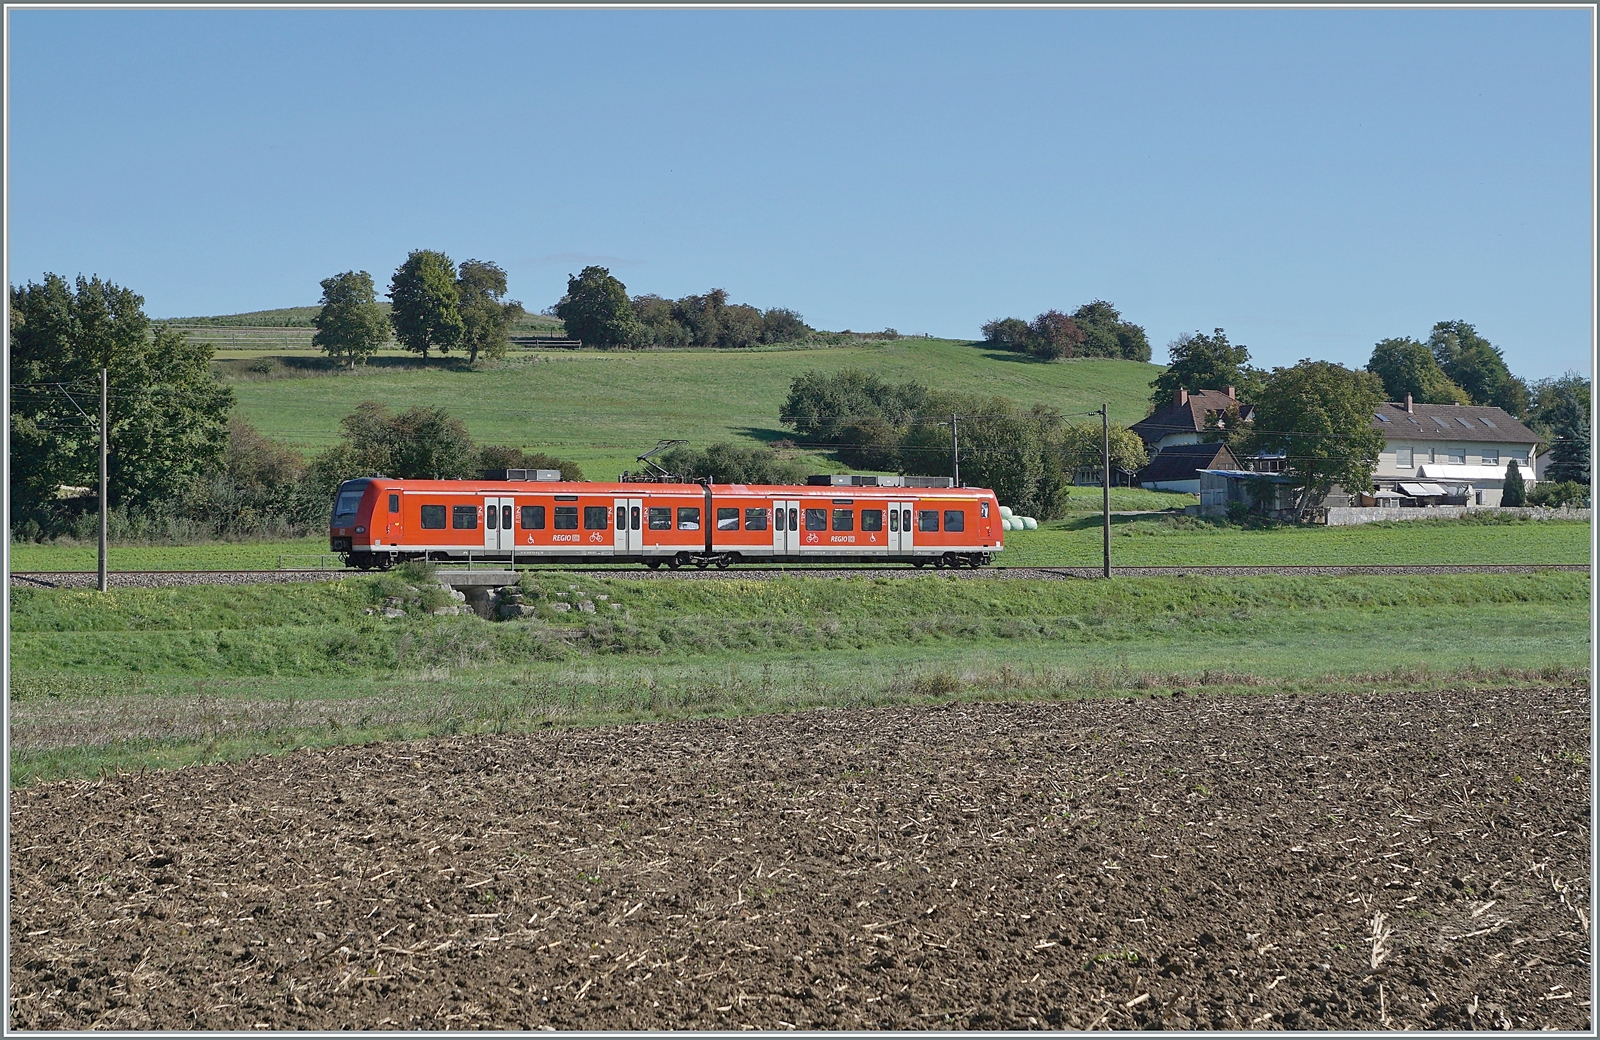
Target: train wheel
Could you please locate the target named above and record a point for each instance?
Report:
(703, 562)
(918, 564)
(654, 565)
(678, 561)
(723, 561)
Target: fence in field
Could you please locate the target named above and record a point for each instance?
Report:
(249, 337)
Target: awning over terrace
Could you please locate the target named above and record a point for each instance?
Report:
(1423, 490)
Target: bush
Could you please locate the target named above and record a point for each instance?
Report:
(1555, 494)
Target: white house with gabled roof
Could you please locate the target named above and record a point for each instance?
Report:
(1438, 451)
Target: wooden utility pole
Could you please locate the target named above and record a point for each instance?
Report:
(955, 452)
(1105, 484)
(103, 383)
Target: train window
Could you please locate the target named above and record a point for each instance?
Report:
(688, 518)
(660, 518)
(566, 518)
(348, 501)
(464, 518)
(872, 519)
(491, 519)
(596, 518)
(727, 518)
(983, 510)
(635, 518)
(394, 503)
(533, 518)
(905, 519)
(755, 519)
(844, 519)
(433, 518)
(955, 520)
(622, 518)
(794, 521)
(505, 517)
(927, 519)
(816, 519)
(778, 518)
(894, 520)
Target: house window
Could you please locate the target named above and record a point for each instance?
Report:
(1456, 456)
(1491, 457)
(1402, 458)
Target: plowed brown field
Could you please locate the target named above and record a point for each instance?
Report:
(1242, 861)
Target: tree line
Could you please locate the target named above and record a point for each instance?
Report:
(435, 306)
(1027, 454)
(1096, 329)
(598, 312)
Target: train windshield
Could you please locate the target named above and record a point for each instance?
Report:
(349, 499)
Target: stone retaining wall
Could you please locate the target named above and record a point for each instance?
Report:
(1345, 516)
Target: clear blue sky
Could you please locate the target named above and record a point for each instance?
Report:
(1311, 181)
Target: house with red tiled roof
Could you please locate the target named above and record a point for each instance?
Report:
(1175, 437)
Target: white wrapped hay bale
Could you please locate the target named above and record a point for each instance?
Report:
(1005, 513)
(1030, 524)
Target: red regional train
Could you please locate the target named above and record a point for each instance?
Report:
(378, 522)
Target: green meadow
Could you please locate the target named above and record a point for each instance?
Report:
(159, 677)
(1149, 540)
(603, 409)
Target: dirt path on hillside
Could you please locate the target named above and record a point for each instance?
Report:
(1402, 861)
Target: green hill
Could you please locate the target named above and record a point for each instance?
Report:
(603, 409)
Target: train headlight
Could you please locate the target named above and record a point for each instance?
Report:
(361, 530)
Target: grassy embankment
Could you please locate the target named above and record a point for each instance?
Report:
(1139, 541)
(171, 676)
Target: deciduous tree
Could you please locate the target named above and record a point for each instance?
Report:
(426, 311)
(1477, 366)
(596, 310)
(486, 317)
(350, 325)
(1320, 415)
(168, 415)
(1201, 362)
(1408, 367)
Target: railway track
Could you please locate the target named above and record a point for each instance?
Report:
(159, 579)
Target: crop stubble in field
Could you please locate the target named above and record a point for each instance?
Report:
(1312, 862)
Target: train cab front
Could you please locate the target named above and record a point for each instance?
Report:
(346, 528)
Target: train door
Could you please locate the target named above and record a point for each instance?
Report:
(785, 528)
(498, 533)
(900, 540)
(626, 526)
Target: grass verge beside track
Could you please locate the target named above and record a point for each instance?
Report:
(158, 677)
(1152, 540)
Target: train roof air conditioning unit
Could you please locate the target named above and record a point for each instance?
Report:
(522, 474)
